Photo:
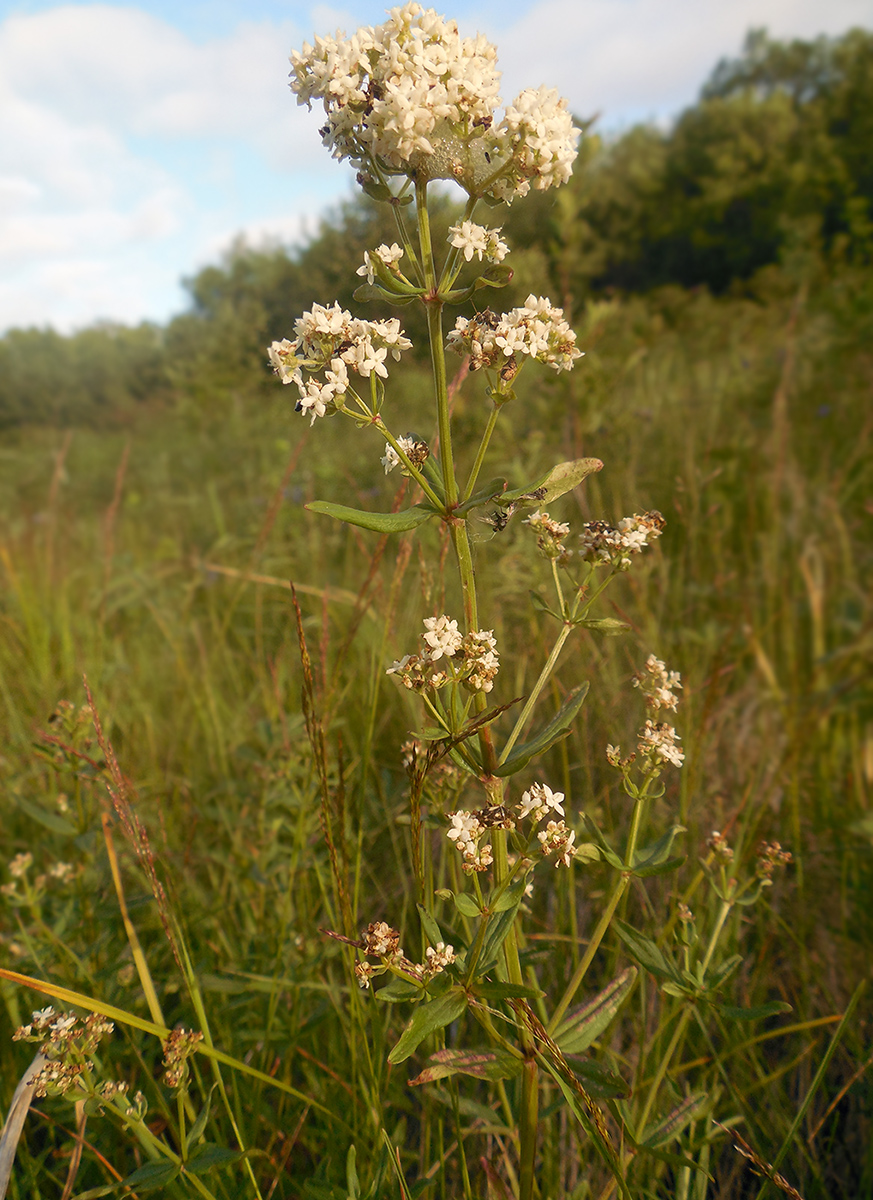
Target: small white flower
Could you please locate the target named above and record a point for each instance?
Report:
(658, 741)
(20, 865)
(391, 458)
(442, 636)
(477, 240)
(538, 800)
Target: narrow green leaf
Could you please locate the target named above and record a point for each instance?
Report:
(498, 931)
(556, 729)
(542, 606)
(606, 850)
(608, 626)
(672, 1125)
(646, 952)
(372, 291)
(721, 973)
(352, 1182)
(195, 1133)
(658, 853)
(208, 1157)
(398, 990)
(599, 1081)
(483, 1064)
(509, 898)
(754, 1014)
(427, 1019)
(399, 522)
(152, 1174)
(664, 868)
(466, 905)
(585, 1025)
(50, 820)
(506, 991)
(428, 924)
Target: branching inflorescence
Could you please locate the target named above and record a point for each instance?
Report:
(407, 103)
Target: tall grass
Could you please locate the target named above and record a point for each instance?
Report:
(155, 561)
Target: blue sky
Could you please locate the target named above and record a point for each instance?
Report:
(137, 140)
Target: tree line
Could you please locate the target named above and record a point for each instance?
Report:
(775, 159)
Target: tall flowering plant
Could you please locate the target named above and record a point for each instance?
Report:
(408, 103)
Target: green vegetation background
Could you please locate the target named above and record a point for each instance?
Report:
(719, 278)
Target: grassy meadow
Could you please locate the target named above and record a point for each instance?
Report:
(153, 557)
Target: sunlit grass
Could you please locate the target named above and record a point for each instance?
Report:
(749, 429)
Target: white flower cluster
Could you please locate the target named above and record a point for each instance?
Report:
(388, 256)
(538, 801)
(416, 450)
(380, 941)
(604, 543)
(332, 341)
(466, 832)
(550, 536)
(413, 95)
(536, 330)
(477, 239)
(471, 659)
(557, 839)
(543, 139)
(656, 684)
(657, 740)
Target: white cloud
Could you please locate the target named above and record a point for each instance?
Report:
(629, 59)
(118, 131)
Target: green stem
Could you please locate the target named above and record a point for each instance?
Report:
(662, 1070)
(480, 454)
(535, 694)
(453, 264)
(434, 308)
(603, 924)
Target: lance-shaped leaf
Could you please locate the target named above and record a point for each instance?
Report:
(399, 522)
(754, 1014)
(720, 974)
(542, 605)
(506, 991)
(614, 860)
(560, 479)
(608, 626)
(599, 1081)
(209, 1156)
(656, 859)
(646, 953)
(556, 729)
(431, 930)
(498, 931)
(399, 991)
(466, 905)
(430, 468)
(152, 1174)
(483, 1064)
(585, 1025)
(427, 1019)
(672, 1125)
